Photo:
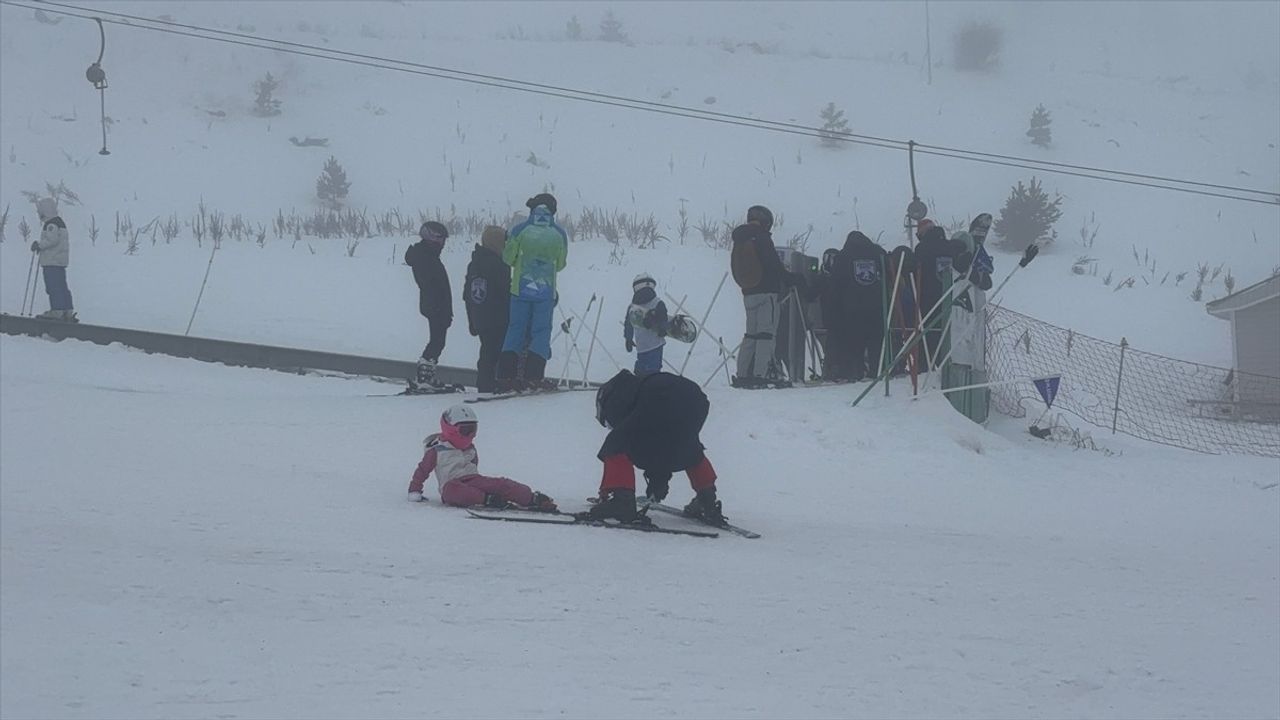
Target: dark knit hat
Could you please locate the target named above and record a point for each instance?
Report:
(542, 199)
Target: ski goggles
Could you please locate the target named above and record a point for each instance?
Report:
(468, 429)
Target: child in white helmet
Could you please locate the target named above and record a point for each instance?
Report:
(645, 328)
(451, 454)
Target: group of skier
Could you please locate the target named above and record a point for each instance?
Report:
(509, 293)
(853, 290)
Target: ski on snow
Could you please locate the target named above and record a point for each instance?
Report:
(528, 393)
(566, 519)
(642, 503)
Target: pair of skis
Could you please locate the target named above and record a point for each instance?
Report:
(646, 525)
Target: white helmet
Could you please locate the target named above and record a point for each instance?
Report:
(643, 280)
(459, 414)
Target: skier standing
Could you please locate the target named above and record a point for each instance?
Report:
(485, 294)
(860, 264)
(536, 250)
(54, 246)
(654, 424)
(762, 278)
(645, 327)
(832, 299)
(451, 455)
(435, 300)
(934, 257)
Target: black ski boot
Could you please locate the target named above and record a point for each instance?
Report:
(495, 502)
(535, 370)
(615, 505)
(543, 503)
(705, 507)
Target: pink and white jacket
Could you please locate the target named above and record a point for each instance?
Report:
(447, 461)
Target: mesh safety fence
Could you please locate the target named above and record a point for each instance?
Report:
(1152, 397)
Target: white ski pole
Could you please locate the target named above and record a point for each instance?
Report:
(705, 316)
(591, 348)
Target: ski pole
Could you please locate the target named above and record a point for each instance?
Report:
(727, 355)
(1027, 256)
(603, 348)
(705, 316)
(209, 267)
(28, 287)
(990, 300)
(591, 348)
(572, 338)
(887, 347)
(702, 329)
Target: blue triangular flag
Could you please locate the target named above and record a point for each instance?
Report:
(1048, 388)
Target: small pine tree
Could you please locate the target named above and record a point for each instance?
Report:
(1040, 133)
(573, 28)
(332, 185)
(1027, 216)
(265, 104)
(833, 125)
(611, 28)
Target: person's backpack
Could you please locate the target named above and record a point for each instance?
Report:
(745, 264)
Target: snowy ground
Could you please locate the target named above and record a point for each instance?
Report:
(251, 555)
(179, 539)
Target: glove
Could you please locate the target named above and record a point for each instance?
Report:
(35, 246)
(656, 485)
(415, 497)
(630, 345)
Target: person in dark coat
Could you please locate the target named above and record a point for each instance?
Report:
(860, 265)
(934, 258)
(654, 424)
(485, 295)
(435, 299)
(832, 293)
(762, 278)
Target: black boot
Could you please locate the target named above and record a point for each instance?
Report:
(615, 505)
(495, 501)
(705, 507)
(505, 373)
(535, 370)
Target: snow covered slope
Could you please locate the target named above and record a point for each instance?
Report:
(1181, 89)
(179, 539)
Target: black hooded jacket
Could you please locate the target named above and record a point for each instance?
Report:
(434, 298)
(860, 266)
(934, 257)
(485, 292)
(654, 420)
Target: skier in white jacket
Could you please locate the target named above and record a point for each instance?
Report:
(54, 247)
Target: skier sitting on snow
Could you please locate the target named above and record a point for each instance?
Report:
(645, 327)
(452, 455)
(653, 424)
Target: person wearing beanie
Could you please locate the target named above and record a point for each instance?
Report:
(536, 250)
(862, 264)
(435, 299)
(758, 271)
(645, 327)
(485, 296)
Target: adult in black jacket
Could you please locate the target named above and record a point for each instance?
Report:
(654, 424)
(762, 278)
(435, 299)
(860, 265)
(485, 294)
(832, 291)
(934, 258)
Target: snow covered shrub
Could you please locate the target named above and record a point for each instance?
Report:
(977, 46)
(573, 29)
(264, 103)
(834, 125)
(332, 185)
(1028, 216)
(1039, 131)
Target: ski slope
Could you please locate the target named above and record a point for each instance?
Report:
(181, 539)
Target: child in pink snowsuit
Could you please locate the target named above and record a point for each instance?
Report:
(452, 455)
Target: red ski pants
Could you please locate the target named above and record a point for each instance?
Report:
(620, 474)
